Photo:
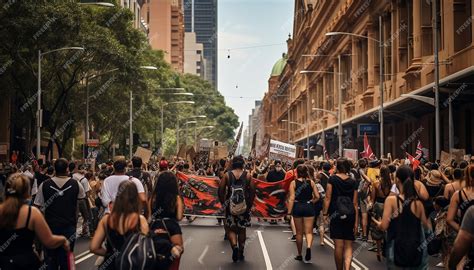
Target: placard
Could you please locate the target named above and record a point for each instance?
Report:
(350, 154)
(144, 153)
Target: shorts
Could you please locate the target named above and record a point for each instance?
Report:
(303, 209)
(363, 206)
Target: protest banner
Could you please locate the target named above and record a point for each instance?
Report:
(270, 198)
(282, 151)
(200, 195)
(350, 154)
(144, 153)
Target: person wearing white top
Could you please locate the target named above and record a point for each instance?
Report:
(110, 187)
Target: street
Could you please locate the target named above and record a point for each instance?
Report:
(267, 247)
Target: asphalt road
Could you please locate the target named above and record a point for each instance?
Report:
(268, 247)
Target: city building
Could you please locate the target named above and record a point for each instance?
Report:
(194, 62)
(200, 17)
(346, 67)
(165, 22)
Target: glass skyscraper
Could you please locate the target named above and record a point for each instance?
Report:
(200, 16)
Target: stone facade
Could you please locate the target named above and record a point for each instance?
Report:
(407, 42)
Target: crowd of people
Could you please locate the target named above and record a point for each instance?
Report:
(404, 212)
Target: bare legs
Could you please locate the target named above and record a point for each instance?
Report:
(343, 254)
(304, 226)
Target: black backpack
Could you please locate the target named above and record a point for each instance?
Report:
(162, 243)
(344, 207)
(407, 242)
(138, 252)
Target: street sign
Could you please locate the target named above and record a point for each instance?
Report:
(369, 129)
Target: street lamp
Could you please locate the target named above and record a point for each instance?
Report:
(381, 46)
(338, 115)
(39, 113)
(104, 4)
(130, 139)
(162, 115)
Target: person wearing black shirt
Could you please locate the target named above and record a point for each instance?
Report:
(277, 173)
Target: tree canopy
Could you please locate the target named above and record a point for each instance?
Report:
(109, 67)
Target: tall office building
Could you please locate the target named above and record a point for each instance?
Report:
(200, 16)
(164, 19)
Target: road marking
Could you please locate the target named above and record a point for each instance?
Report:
(82, 254)
(268, 263)
(84, 258)
(288, 231)
(204, 252)
(330, 243)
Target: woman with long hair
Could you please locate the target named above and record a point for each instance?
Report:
(114, 228)
(167, 210)
(403, 217)
(380, 192)
(341, 194)
(303, 195)
(19, 224)
(461, 200)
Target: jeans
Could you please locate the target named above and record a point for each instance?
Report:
(57, 258)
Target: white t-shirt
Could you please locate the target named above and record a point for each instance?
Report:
(83, 181)
(110, 188)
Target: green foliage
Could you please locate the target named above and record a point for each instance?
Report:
(111, 43)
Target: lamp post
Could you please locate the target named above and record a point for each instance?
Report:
(104, 4)
(337, 114)
(162, 114)
(381, 70)
(130, 142)
(39, 112)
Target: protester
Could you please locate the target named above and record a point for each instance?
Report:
(403, 217)
(58, 198)
(22, 222)
(111, 184)
(457, 184)
(277, 173)
(114, 228)
(461, 200)
(236, 193)
(144, 177)
(341, 203)
(83, 205)
(380, 192)
(167, 210)
(463, 245)
(303, 195)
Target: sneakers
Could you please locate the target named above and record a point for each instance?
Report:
(299, 258)
(293, 238)
(241, 255)
(441, 265)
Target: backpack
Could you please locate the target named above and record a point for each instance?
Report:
(144, 183)
(163, 245)
(407, 242)
(237, 203)
(138, 252)
(344, 206)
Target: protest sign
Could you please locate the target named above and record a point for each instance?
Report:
(144, 153)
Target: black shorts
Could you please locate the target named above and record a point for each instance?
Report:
(303, 209)
(318, 206)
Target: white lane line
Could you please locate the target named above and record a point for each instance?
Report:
(82, 254)
(84, 258)
(330, 243)
(203, 254)
(268, 263)
(287, 231)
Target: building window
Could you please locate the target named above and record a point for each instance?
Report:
(198, 52)
(362, 65)
(426, 28)
(403, 37)
(462, 24)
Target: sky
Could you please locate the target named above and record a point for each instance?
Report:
(243, 78)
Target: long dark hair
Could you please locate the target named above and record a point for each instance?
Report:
(126, 203)
(469, 176)
(164, 195)
(17, 190)
(385, 179)
(405, 175)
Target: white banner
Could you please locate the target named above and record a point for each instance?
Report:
(282, 150)
(350, 154)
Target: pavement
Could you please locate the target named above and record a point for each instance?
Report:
(268, 248)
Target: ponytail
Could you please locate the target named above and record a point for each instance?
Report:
(405, 175)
